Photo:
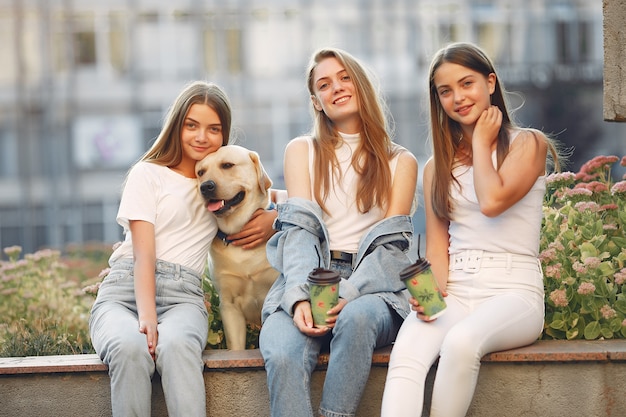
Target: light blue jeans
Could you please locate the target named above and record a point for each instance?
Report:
(364, 324)
(182, 326)
(496, 303)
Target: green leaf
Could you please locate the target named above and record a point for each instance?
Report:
(592, 330)
(587, 250)
(573, 320)
(615, 324)
(557, 324)
(620, 305)
(607, 333)
(572, 334)
(606, 269)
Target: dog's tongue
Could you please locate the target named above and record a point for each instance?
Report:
(215, 205)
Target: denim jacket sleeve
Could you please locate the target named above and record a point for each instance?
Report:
(299, 246)
(383, 253)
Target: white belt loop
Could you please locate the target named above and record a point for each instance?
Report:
(509, 263)
(473, 259)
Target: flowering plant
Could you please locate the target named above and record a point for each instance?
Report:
(583, 253)
(42, 308)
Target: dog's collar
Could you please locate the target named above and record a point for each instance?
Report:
(224, 237)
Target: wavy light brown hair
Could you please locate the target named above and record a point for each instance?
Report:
(167, 149)
(445, 132)
(371, 160)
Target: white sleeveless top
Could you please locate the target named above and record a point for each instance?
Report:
(346, 225)
(517, 230)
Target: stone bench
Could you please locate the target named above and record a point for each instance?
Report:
(548, 378)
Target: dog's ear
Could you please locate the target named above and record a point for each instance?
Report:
(264, 180)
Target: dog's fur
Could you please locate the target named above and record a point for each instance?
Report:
(234, 185)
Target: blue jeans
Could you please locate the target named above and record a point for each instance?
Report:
(182, 326)
(290, 357)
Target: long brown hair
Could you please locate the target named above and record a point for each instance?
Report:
(371, 160)
(167, 149)
(447, 132)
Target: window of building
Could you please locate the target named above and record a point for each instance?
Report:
(8, 154)
(8, 69)
(233, 52)
(574, 41)
(118, 43)
(84, 40)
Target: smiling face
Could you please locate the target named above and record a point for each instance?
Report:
(201, 134)
(335, 95)
(234, 184)
(463, 93)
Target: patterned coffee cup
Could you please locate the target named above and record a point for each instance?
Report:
(324, 294)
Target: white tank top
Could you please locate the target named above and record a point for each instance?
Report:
(345, 224)
(515, 231)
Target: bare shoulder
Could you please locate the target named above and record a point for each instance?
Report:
(407, 159)
(529, 139)
(297, 148)
(299, 142)
(429, 168)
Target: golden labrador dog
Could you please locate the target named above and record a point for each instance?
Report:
(234, 185)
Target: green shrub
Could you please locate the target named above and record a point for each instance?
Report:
(43, 309)
(583, 253)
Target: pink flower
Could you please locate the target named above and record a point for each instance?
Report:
(575, 192)
(587, 206)
(593, 186)
(599, 162)
(579, 267)
(610, 206)
(559, 298)
(619, 188)
(623, 161)
(559, 179)
(592, 262)
(607, 312)
(620, 277)
(547, 255)
(554, 271)
(586, 288)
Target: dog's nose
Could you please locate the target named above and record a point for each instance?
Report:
(207, 187)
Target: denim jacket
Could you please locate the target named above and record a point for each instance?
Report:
(301, 244)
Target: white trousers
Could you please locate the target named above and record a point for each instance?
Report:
(495, 302)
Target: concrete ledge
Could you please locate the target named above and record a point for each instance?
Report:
(548, 378)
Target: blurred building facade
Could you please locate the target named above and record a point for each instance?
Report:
(84, 84)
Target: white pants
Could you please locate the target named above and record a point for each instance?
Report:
(495, 302)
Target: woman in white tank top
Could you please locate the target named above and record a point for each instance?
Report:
(351, 171)
(483, 194)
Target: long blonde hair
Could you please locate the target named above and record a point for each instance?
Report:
(447, 132)
(167, 149)
(371, 160)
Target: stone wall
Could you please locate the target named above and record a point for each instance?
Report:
(614, 25)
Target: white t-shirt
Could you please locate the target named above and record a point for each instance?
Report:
(183, 227)
(345, 224)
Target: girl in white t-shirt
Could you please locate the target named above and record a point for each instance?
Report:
(150, 313)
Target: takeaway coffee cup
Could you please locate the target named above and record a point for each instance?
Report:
(324, 293)
(419, 280)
